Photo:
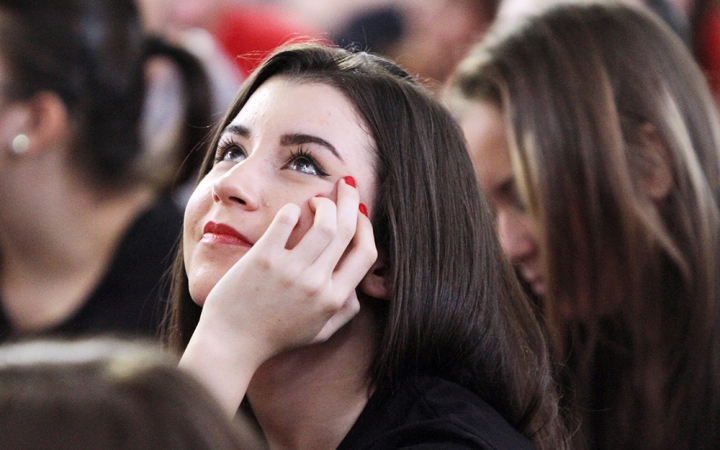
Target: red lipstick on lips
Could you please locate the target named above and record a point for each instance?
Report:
(224, 234)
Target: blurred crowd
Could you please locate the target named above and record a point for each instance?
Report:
(428, 37)
(597, 149)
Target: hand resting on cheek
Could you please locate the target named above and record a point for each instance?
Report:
(274, 299)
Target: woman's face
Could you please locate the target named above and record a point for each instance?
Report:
(484, 128)
(291, 142)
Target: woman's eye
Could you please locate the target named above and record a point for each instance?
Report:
(230, 151)
(303, 161)
(518, 203)
(509, 195)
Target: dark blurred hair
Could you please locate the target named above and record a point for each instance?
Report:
(192, 131)
(106, 394)
(587, 91)
(92, 54)
(455, 309)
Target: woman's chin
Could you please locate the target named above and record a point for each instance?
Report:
(202, 279)
(200, 291)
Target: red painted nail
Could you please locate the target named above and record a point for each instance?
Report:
(350, 181)
(363, 209)
(318, 196)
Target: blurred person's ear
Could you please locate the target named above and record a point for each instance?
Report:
(376, 282)
(40, 122)
(48, 122)
(657, 177)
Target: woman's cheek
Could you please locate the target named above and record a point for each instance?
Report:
(200, 201)
(202, 272)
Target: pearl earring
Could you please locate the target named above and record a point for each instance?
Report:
(20, 144)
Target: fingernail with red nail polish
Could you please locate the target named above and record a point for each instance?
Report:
(350, 181)
(363, 209)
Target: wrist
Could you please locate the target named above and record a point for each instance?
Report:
(224, 367)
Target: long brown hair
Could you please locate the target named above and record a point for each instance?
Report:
(596, 98)
(456, 309)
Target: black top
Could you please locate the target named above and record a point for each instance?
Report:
(431, 413)
(129, 300)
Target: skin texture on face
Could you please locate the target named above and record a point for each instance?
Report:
(484, 128)
(291, 142)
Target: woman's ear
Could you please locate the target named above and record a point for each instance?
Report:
(376, 283)
(34, 124)
(657, 176)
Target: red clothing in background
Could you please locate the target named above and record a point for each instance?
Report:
(708, 41)
(248, 33)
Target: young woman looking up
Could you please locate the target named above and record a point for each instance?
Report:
(596, 140)
(445, 350)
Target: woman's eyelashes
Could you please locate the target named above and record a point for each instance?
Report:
(302, 160)
(229, 150)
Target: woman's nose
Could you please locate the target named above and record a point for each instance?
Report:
(237, 187)
(517, 236)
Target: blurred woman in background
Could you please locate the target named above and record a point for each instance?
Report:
(84, 234)
(596, 139)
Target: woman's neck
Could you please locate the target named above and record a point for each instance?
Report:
(58, 246)
(310, 398)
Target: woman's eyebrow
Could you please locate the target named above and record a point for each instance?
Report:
(288, 139)
(237, 129)
(299, 139)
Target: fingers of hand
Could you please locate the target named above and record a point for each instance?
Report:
(360, 257)
(342, 316)
(320, 234)
(280, 228)
(300, 282)
(346, 225)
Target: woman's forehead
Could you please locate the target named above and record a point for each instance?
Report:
(304, 106)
